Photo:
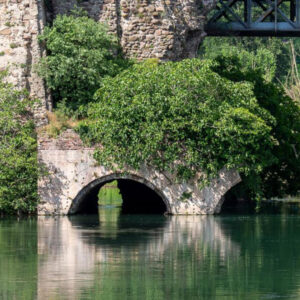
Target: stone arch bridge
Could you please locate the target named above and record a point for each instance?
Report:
(72, 175)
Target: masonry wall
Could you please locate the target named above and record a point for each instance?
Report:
(20, 23)
(164, 29)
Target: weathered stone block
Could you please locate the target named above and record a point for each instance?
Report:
(5, 31)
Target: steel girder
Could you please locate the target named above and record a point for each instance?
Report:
(255, 18)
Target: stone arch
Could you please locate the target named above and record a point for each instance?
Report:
(72, 171)
(97, 183)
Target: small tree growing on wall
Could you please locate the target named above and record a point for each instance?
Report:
(80, 53)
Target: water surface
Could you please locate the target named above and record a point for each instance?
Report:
(150, 257)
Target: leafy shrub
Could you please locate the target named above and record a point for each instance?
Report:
(281, 178)
(180, 117)
(80, 53)
(269, 55)
(18, 153)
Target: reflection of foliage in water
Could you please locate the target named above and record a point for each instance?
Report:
(256, 262)
(18, 259)
(227, 257)
(109, 220)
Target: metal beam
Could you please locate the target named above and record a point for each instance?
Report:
(269, 11)
(221, 11)
(240, 18)
(256, 29)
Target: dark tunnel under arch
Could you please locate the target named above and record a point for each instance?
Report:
(139, 196)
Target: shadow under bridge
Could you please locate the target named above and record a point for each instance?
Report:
(132, 195)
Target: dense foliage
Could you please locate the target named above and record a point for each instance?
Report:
(181, 117)
(272, 56)
(18, 256)
(281, 178)
(80, 53)
(18, 159)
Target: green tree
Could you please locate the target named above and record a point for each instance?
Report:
(270, 55)
(281, 178)
(18, 153)
(80, 53)
(180, 117)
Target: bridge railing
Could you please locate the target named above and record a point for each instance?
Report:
(255, 18)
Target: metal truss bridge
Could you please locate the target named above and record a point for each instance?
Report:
(255, 18)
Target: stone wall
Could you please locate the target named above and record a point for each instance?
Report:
(20, 23)
(163, 29)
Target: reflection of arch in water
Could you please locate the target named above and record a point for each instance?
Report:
(81, 201)
(72, 248)
(159, 233)
(111, 235)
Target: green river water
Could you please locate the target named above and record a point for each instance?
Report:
(112, 256)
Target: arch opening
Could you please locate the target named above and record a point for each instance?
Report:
(133, 196)
(237, 200)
